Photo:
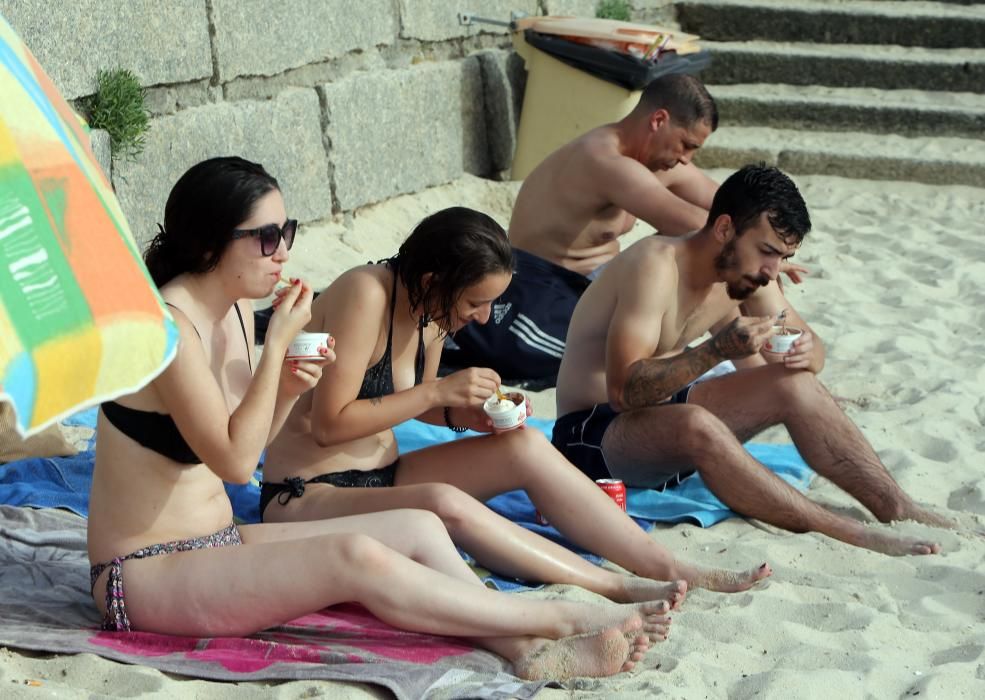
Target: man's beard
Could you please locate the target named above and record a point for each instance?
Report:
(742, 288)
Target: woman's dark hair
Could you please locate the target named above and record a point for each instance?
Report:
(459, 247)
(758, 188)
(210, 200)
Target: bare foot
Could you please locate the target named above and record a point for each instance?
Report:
(928, 517)
(656, 621)
(596, 654)
(894, 545)
(649, 616)
(657, 627)
(637, 589)
(638, 644)
(723, 580)
(962, 522)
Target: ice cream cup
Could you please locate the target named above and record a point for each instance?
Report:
(507, 413)
(782, 339)
(305, 346)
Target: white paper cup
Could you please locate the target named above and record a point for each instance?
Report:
(305, 346)
(506, 417)
(780, 342)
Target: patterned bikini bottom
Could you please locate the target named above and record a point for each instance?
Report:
(116, 612)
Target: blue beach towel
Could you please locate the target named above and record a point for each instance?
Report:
(690, 502)
(64, 482)
(55, 482)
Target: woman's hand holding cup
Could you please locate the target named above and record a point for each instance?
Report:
(467, 387)
(292, 311)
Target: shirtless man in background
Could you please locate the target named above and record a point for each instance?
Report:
(571, 210)
(573, 206)
(627, 400)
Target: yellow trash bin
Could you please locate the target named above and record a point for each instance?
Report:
(561, 102)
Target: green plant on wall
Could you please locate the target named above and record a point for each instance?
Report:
(118, 107)
(613, 9)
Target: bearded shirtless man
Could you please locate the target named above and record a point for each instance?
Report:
(627, 399)
(570, 212)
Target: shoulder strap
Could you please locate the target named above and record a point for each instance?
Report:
(393, 310)
(419, 362)
(249, 348)
(168, 303)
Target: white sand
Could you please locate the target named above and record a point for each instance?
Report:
(897, 295)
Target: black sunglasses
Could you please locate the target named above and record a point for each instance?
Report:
(270, 236)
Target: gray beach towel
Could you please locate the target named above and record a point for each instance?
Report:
(45, 606)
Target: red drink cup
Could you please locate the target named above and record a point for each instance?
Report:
(616, 490)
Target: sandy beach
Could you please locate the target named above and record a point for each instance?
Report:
(896, 292)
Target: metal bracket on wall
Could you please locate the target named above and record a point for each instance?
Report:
(467, 19)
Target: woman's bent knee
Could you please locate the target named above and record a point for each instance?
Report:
(452, 505)
(522, 439)
(361, 553)
(422, 523)
(525, 452)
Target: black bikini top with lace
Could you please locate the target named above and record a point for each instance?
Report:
(378, 380)
(157, 431)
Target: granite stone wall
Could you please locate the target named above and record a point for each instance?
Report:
(346, 103)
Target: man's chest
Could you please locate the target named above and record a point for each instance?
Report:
(689, 321)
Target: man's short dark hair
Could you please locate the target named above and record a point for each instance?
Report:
(684, 97)
(758, 188)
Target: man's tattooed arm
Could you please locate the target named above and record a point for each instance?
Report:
(651, 381)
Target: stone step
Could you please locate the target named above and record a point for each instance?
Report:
(940, 160)
(927, 24)
(904, 112)
(846, 65)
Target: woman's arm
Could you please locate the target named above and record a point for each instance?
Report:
(285, 401)
(466, 390)
(230, 443)
(296, 377)
(355, 309)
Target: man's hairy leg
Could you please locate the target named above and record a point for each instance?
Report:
(753, 400)
(665, 439)
(834, 446)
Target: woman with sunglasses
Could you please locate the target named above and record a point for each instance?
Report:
(338, 448)
(166, 555)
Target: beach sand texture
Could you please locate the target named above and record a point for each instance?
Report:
(897, 292)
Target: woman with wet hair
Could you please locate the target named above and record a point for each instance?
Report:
(337, 455)
(166, 555)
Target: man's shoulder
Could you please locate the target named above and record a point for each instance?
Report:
(601, 143)
(646, 262)
(654, 250)
(650, 262)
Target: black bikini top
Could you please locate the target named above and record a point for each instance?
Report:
(157, 431)
(378, 380)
